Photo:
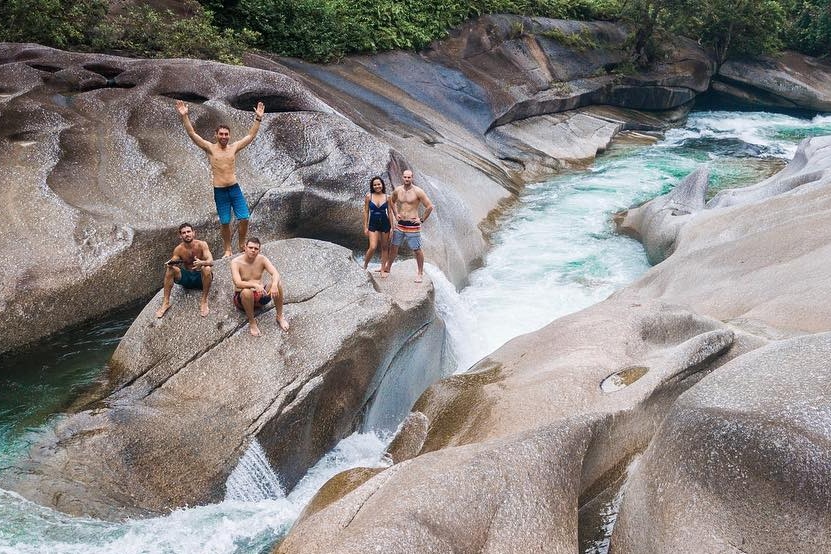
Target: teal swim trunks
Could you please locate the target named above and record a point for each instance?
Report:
(190, 279)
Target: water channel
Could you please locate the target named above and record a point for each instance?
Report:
(555, 253)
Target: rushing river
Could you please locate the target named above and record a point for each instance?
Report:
(555, 254)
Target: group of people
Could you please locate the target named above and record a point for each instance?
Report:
(191, 265)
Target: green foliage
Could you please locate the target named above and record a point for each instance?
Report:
(58, 23)
(732, 27)
(323, 30)
(149, 33)
(140, 31)
(808, 26)
(580, 41)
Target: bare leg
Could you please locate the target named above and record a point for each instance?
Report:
(385, 252)
(207, 279)
(247, 299)
(226, 239)
(171, 273)
(373, 245)
(277, 296)
(391, 258)
(419, 256)
(243, 234)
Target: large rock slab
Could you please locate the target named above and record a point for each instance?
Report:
(188, 394)
(741, 463)
(516, 445)
(756, 257)
(99, 173)
(791, 80)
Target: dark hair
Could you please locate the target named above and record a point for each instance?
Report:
(255, 240)
(218, 127)
(183, 225)
(383, 185)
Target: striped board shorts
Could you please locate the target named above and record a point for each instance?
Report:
(409, 231)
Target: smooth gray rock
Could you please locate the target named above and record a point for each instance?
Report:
(790, 80)
(762, 262)
(514, 445)
(657, 222)
(190, 393)
(741, 463)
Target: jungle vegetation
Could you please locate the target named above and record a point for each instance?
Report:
(326, 30)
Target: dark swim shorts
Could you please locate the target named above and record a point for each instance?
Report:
(190, 279)
(260, 299)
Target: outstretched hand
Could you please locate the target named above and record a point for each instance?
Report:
(181, 107)
(260, 110)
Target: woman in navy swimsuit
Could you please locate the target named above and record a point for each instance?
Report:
(377, 217)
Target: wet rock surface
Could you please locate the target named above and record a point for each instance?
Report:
(189, 393)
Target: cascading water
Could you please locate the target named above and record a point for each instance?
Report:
(555, 254)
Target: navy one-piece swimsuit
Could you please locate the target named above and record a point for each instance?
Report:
(378, 218)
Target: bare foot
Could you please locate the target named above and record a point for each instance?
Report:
(254, 330)
(419, 278)
(203, 309)
(384, 275)
(284, 324)
(163, 310)
(227, 254)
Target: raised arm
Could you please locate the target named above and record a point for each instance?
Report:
(182, 108)
(428, 206)
(255, 128)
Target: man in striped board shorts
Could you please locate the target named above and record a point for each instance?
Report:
(406, 200)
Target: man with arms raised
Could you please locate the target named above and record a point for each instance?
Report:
(222, 156)
(249, 292)
(406, 200)
(189, 267)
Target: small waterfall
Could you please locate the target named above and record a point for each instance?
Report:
(253, 479)
(464, 346)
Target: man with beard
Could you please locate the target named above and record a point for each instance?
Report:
(222, 156)
(195, 272)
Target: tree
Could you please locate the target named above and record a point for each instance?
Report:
(731, 27)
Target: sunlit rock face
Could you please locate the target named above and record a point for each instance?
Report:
(186, 394)
(756, 256)
(741, 463)
(515, 446)
(99, 174)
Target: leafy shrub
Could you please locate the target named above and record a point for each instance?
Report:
(58, 23)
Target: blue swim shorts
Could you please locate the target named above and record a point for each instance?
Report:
(228, 197)
(190, 279)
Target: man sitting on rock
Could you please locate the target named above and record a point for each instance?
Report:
(249, 292)
(195, 260)
(222, 157)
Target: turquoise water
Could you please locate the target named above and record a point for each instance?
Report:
(555, 253)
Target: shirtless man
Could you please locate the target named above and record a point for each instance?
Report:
(196, 260)
(249, 292)
(405, 201)
(222, 156)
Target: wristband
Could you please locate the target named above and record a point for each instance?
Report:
(258, 119)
